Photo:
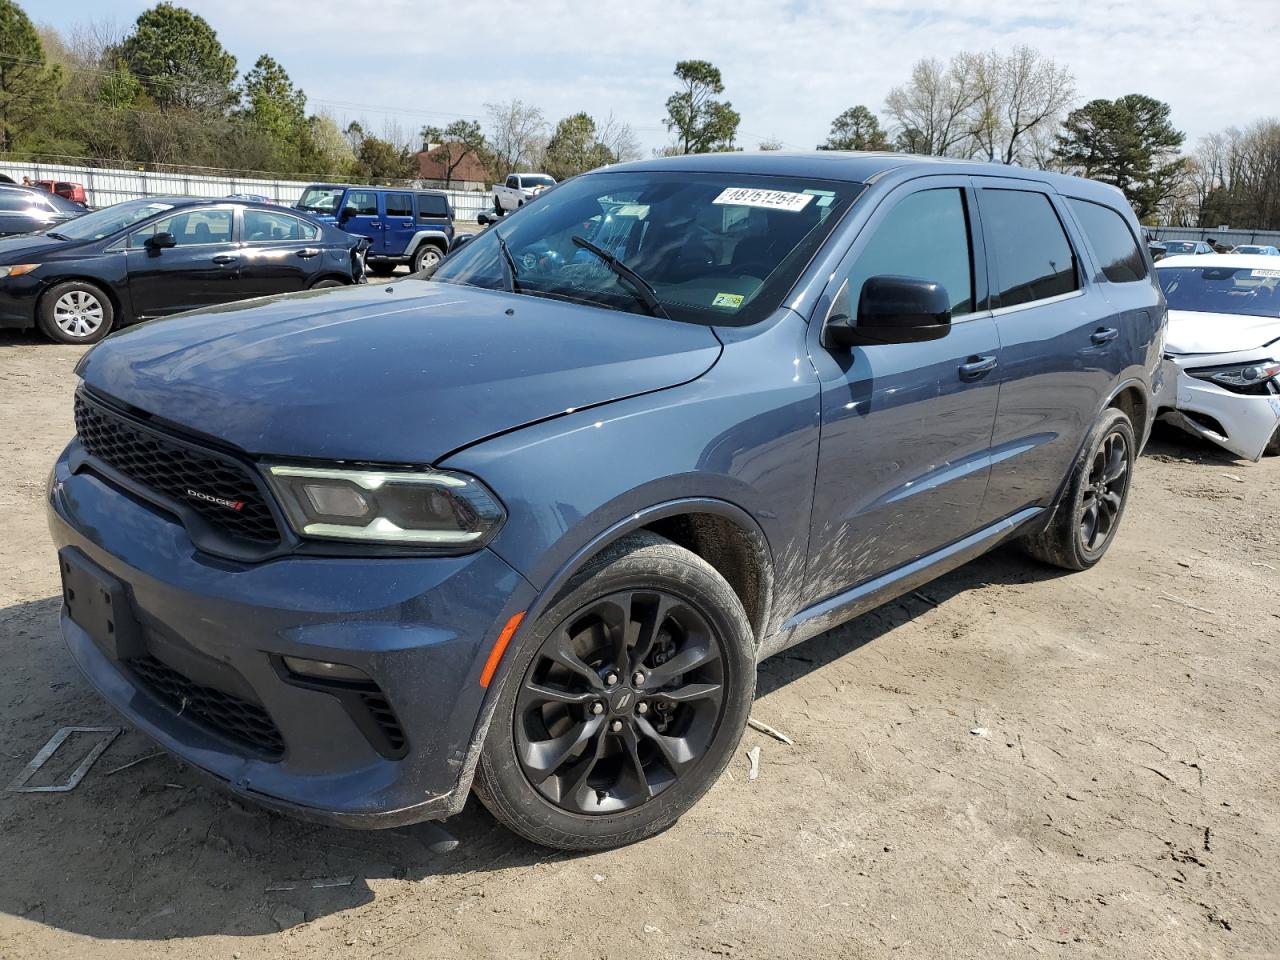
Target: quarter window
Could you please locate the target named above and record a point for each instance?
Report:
(263, 226)
(399, 205)
(189, 228)
(1033, 257)
(362, 203)
(432, 206)
(1112, 241)
(926, 236)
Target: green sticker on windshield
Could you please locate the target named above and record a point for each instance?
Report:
(731, 300)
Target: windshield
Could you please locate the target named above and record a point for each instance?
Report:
(109, 220)
(320, 199)
(714, 247)
(1222, 290)
(1179, 246)
(527, 181)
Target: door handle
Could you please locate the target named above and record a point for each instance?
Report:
(1104, 334)
(225, 258)
(306, 253)
(975, 368)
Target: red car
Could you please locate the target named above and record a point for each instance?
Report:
(63, 188)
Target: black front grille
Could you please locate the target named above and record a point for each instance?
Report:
(230, 716)
(180, 471)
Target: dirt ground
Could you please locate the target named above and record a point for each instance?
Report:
(1011, 762)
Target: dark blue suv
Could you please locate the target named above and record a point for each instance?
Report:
(527, 526)
(413, 227)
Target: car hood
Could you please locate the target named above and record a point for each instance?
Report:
(18, 249)
(1191, 332)
(402, 372)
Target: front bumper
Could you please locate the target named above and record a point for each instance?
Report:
(1240, 423)
(18, 297)
(421, 628)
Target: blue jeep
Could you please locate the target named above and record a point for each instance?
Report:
(406, 226)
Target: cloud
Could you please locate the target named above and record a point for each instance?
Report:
(789, 67)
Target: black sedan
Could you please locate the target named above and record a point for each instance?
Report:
(148, 258)
(26, 210)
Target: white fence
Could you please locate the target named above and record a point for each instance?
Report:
(1228, 237)
(106, 186)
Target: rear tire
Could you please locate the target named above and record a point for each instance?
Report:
(427, 255)
(326, 284)
(75, 312)
(1086, 520)
(1273, 446)
(624, 702)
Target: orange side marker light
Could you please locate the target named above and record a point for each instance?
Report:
(499, 647)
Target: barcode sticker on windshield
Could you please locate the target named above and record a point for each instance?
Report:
(772, 199)
(1264, 273)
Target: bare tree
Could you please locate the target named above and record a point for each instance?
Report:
(933, 111)
(991, 105)
(619, 139)
(516, 130)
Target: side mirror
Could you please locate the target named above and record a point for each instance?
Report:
(890, 310)
(161, 241)
(345, 214)
(462, 238)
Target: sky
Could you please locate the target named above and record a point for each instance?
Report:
(789, 67)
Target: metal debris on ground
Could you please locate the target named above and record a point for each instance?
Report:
(1232, 476)
(753, 755)
(980, 732)
(774, 732)
(319, 883)
(134, 763)
(22, 783)
(1186, 603)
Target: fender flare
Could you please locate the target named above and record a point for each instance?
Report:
(421, 237)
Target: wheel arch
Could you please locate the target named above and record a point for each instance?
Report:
(721, 533)
(1132, 397)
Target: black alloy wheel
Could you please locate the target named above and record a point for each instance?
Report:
(623, 697)
(1104, 492)
(621, 703)
(1082, 525)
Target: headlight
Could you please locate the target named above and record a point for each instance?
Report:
(17, 269)
(431, 508)
(1241, 377)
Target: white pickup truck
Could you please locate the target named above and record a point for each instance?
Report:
(518, 190)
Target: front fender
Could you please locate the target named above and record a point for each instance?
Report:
(744, 434)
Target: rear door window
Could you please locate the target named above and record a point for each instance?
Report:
(265, 226)
(926, 236)
(1033, 257)
(1112, 241)
(398, 204)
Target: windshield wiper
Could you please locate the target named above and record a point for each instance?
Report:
(57, 236)
(508, 264)
(643, 289)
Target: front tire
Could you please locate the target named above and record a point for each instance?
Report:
(75, 312)
(625, 702)
(1086, 520)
